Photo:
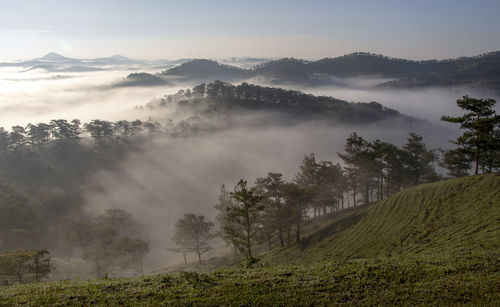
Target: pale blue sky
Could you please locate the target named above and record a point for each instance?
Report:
(305, 29)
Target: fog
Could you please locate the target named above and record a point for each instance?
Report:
(425, 103)
(171, 176)
(36, 96)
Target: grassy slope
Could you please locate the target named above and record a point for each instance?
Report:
(473, 281)
(446, 217)
(443, 239)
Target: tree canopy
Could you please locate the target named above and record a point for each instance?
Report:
(481, 140)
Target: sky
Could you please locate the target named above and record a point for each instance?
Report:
(151, 29)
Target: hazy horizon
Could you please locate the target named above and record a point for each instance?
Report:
(67, 55)
(195, 29)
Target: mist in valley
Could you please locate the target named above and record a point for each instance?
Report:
(173, 176)
(426, 103)
(37, 96)
(168, 176)
(249, 153)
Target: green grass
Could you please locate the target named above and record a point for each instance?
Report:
(472, 280)
(447, 217)
(435, 244)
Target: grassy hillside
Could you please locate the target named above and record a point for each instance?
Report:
(435, 244)
(473, 281)
(447, 217)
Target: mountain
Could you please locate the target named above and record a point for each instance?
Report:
(477, 72)
(283, 71)
(54, 62)
(64, 68)
(117, 60)
(482, 71)
(202, 69)
(462, 70)
(120, 57)
(54, 57)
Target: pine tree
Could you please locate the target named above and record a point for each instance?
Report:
(481, 137)
(245, 214)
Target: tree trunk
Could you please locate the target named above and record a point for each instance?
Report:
(249, 247)
(381, 194)
(476, 171)
(198, 252)
(288, 237)
(366, 199)
(298, 229)
(235, 249)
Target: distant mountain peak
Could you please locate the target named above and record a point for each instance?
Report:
(52, 56)
(119, 57)
(204, 68)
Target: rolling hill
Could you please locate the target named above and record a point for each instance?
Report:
(203, 69)
(437, 219)
(225, 98)
(481, 71)
(434, 244)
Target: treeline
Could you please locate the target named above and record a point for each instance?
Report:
(250, 92)
(223, 94)
(273, 210)
(43, 168)
(34, 137)
(109, 243)
(24, 266)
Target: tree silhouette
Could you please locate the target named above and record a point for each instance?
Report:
(481, 137)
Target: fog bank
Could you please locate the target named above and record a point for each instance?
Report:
(173, 176)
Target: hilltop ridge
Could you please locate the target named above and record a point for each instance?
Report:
(447, 217)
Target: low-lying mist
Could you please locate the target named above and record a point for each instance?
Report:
(171, 176)
(37, 96)
(426, 103)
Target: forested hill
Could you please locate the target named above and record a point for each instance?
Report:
(221, 97)
(203, 69)
(479, 71)
(436, 219)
